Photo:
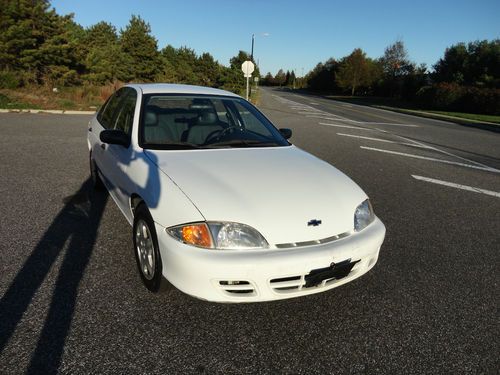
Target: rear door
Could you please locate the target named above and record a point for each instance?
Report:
(104, 120)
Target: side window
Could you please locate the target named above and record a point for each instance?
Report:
(125, 116)
(105, 117)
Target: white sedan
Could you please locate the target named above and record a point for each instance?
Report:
(221, 204)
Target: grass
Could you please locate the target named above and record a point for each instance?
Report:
(7, 103)
(470, 116)
(67, 98)
(398, 105)
(255, 98)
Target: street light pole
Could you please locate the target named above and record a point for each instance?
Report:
(251, 55)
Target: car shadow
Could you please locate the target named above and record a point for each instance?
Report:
(75, 225)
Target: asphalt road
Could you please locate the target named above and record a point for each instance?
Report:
(72, 301)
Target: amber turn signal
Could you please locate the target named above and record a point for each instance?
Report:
(197, 235)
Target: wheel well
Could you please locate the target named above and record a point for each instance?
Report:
(135, 201)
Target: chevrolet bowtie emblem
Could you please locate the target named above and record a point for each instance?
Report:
(313, 223)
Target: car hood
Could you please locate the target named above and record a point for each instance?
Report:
(277, 190)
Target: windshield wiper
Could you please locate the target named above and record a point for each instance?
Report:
(244, 143)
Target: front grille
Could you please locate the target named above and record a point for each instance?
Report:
(313, 242)
(238, 288)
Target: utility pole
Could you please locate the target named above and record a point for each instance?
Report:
(251, 55)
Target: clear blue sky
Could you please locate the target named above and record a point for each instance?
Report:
(301, 33)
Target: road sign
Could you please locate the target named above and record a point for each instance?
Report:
(248, 67)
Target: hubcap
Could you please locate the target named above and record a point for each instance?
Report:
(145, 249)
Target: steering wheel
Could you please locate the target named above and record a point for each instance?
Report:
(218, 134)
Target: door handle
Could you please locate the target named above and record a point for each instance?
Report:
(103, 146)
(90, 129)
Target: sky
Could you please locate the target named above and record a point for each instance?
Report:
(296, 35)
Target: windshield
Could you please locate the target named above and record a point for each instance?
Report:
(185, 122)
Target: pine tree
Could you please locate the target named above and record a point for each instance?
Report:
(138, 43)
(104, 59)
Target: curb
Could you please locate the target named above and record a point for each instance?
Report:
(51, 111)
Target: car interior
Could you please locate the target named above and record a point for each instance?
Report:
(195, 124)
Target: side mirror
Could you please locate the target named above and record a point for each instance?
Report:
(285, 132)
(115, 137)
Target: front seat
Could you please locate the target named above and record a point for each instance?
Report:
(153, 132)
(206, 124)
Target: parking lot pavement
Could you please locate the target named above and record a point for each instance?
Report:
(71, 300)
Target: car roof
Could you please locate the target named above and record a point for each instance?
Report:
(170, 88)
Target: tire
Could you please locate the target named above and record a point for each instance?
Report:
(97, 183)
(146, 250)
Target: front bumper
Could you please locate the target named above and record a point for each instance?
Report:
(264, 275)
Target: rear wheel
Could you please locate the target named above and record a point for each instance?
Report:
(147, 254)
(97, 183)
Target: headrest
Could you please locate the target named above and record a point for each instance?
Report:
(201, 104)
(207, 118)
(150, 118)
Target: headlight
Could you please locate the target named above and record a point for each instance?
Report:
(219, 235)
(363, 216)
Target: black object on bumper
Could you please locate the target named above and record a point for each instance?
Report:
(335, 271)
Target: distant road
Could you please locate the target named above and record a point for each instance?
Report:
(71, 299)
(473, 143)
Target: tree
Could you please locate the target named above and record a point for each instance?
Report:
(38, 43)
(268, 80)
(395, 61)
(138, 43)
(280, 77)
(207, 70)
(355, 71)
(473, 64)
(22, 26)
(323, 76)
(104, 58)
(395, 64)
(292, 78)
(183, 61)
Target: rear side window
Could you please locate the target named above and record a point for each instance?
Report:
(125, 116)
(105, 116)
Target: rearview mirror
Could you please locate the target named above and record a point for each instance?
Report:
(115, 137)
(285, 132)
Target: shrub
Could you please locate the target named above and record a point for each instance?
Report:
(485, 101)
(453, 97)
(9, 80)
(448, 96)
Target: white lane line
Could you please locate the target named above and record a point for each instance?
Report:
(448, 153)
(431, 159)
(304, 112)
(457, 186)
(333, 117)
(344, 126)
(313, 103)
(381, 140)
(393, 124)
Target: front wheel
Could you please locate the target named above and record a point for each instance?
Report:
(147, 254)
